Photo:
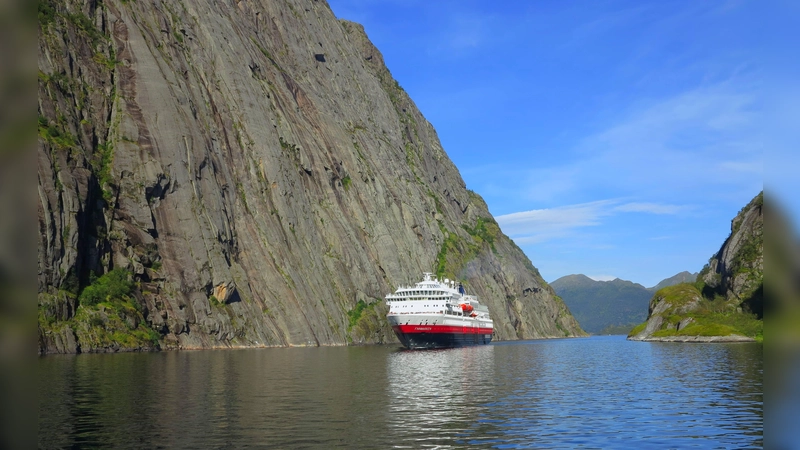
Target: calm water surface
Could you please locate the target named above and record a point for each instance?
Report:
(600, 392)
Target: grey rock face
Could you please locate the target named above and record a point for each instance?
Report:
(256, 191)
(684, 323)
(737, 270)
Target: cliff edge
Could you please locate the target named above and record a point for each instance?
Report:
(726, 303)
(246, 173)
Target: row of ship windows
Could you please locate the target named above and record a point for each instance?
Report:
(428, 312)
(451, 313)
(416, 306)
(417, 293)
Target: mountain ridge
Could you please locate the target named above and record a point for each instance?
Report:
(608, 307)
(681, 277)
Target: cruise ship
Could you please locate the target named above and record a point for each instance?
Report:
(438, 314)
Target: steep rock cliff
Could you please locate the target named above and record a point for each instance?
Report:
(726, 303)
(736, 272)
(260, 175)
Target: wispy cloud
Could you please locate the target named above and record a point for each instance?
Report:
(713, 116)
(700, 139)
(652, 208)
(465, 32)
(604, 22)
(602, 277)
(661, 238)
(540, 225)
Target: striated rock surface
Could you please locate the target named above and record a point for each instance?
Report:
(725, 304)
(736, 272)
(258, 173)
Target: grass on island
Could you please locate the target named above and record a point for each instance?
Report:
(637, 329)
(711, 317)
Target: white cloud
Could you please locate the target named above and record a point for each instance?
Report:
(602, 277)
(705, 139)
(652, 208)
(540, 225)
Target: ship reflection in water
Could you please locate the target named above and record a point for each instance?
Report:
(434, 394)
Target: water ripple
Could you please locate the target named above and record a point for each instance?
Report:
(600, 392)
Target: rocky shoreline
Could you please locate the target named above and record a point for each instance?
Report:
(698, 339)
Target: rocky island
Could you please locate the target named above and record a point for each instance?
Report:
(726, 303)
(246, 173)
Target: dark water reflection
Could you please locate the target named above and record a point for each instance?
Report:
(601, 392)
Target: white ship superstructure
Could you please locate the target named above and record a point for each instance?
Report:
(438, 314)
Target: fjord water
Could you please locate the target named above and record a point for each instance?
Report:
(602, 392)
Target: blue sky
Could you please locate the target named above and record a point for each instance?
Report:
(609, 138)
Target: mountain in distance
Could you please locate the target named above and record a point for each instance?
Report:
(683, 277)
(609, 307)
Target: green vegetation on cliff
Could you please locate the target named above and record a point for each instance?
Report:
(108, 318)
(113, 286)
(367, 322)
(457, 251)
(113, 325)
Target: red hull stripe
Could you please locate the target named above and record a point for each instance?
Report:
(416, 329)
